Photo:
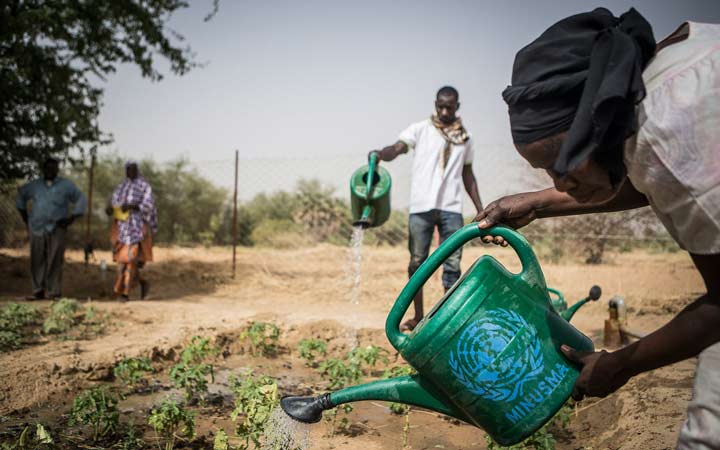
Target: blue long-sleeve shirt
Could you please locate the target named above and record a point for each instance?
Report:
(50, 202)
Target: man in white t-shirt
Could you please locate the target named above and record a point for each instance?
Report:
(443, 159)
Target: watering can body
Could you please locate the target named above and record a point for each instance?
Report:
(370, 195)
(488, 353)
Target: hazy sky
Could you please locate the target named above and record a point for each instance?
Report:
(338, 78)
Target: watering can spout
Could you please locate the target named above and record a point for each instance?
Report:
(593, 295)
(411, 390)
(365, 220)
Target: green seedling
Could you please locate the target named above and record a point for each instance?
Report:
(340, 374)
(311, 349)
(221, 441)
(198, 350)
(131, 370)
(191, 373)
(255, 398)
(96, 407)
(40, 440)
(369, 356)
(263, 338)
(132, 439)
(61, 317)
(169, 420)
(401, 408)
(13, 318)
(10, 340)
(542, 439)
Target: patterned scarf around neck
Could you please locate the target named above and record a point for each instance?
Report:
(454, 134)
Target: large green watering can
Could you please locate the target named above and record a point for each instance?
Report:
(487, 354)
(370, 194)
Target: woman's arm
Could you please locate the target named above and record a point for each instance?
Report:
(519, 210)
(687, 334)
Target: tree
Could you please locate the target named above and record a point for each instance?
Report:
(50, 50)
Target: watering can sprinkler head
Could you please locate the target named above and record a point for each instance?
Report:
(306, 409)
(593, 295)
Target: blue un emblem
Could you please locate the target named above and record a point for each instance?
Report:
(475, 360)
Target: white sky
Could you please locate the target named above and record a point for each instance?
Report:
(313, 80)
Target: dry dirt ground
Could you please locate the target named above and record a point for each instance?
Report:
(306, 292)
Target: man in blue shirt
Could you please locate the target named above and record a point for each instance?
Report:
(47, 221)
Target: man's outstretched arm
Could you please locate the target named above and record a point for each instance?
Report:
(391, 151)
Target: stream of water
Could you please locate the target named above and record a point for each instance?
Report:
(354, 273)
(283, 433)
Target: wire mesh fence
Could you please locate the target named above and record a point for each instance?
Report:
(290, 202)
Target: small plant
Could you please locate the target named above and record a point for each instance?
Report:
(263, 338)
(255, 398)
(369, 355)
(311, 349)
(132, 439)
(401, 408)
(198, 350)
(16, 315)
(340, 374)
(542, 439)
(191, 373)
(96, 407)
(221, 440)
(13, 318)
(41, 440)
(171, 419)
(61, 317)
(131, 370)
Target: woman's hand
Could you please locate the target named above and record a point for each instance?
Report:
(601, 373)
(515, 211)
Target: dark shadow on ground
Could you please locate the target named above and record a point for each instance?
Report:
(171, 279)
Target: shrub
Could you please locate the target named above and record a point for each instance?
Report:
(96, 407)
(170, 419)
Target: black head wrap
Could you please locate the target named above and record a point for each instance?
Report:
(583, 74)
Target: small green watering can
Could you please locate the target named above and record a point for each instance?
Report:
(370, 194)
(487, 354)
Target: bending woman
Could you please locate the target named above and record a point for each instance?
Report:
(620, 123)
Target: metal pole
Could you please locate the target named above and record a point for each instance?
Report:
(88, 216)
(88, 249)
(234, 231)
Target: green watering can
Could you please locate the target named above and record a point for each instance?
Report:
(370, 194)
(488, 353)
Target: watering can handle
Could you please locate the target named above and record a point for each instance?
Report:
(530, 271)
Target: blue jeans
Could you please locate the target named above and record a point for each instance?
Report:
(421, 231)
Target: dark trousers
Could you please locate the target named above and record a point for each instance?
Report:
(47, 253)
(421, 227)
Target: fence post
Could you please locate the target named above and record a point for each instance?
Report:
(234, 231)
(88, 215)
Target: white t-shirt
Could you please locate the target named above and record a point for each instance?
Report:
(432, 187)
(674, 159)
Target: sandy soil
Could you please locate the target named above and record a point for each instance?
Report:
(306, 292)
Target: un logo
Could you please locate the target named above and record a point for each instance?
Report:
(475, 362)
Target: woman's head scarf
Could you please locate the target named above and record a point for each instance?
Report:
(583, 75)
